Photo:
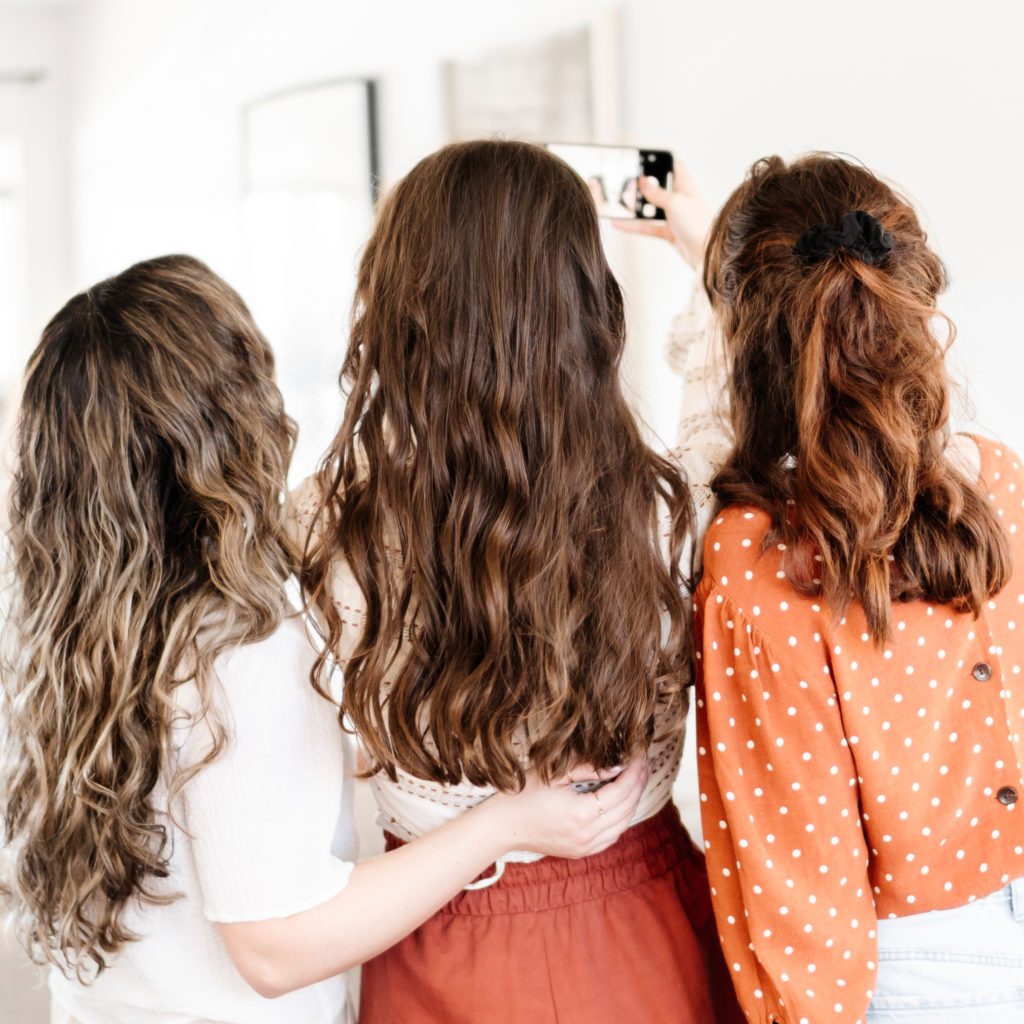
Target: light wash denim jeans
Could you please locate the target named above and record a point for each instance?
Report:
(964, 965)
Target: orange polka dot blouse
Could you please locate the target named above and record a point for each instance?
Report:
(841, 783)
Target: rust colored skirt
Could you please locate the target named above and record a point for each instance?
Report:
(621, 937)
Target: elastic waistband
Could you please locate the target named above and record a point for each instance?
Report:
(647, 850)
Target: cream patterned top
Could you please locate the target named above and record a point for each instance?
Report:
(410, 807)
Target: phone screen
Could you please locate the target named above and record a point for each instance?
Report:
(611, 174)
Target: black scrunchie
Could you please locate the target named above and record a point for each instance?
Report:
(858, 233)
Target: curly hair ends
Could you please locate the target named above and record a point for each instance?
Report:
(490, 489)
(152, 448)
(839, 397)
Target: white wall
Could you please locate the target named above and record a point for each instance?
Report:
(156, 129)
(927, 92)
(160, 87)
(33, 116)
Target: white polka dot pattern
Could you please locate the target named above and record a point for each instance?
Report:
(841, 783)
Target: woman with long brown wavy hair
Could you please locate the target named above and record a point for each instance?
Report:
(171, 785)
(498, 557)
(859, 682)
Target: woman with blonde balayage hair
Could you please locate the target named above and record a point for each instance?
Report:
(171, 784)
(859, 672)
(502, 562)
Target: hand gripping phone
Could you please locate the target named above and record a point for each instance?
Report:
(611, 174)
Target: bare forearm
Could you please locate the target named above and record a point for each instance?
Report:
(385, 899)
(389, 896)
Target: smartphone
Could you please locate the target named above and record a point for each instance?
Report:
(611, 174)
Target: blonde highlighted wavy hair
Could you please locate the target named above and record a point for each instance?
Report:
(152, 448)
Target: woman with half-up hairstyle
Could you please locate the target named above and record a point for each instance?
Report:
(171, 785)
(859, 678)
(498, 559)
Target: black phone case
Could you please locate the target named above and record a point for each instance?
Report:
(654, 163)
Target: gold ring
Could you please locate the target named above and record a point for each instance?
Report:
(600, 809)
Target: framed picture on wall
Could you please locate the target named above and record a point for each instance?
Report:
(561, 86)
(537, 91)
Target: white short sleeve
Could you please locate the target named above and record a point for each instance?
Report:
(264, 814)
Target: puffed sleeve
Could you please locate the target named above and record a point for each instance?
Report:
(703, 440)
(301, 506)
(304, 528)
(787, 859)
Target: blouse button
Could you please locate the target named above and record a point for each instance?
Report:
(982, 672)
(1007, 795)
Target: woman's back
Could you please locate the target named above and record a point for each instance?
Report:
(533, 541)
(150, 666)
(498, 556)
(881, 781)
(410, 806)
(860, 700)
(248, 840)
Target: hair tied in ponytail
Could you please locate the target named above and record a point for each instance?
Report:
(858, 233)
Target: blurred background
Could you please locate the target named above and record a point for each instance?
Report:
(255, 135)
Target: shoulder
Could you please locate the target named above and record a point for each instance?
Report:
(308, 505)
(287, 649)
(745, 591)
(304, 499)
(307, 527)
(256, 691)
(736, 540)
(1000, 477)
(246, 668)
(741, 566)
(268, 679)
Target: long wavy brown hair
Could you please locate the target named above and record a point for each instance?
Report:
(840, 397)
(491, 491)
(145, 539)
